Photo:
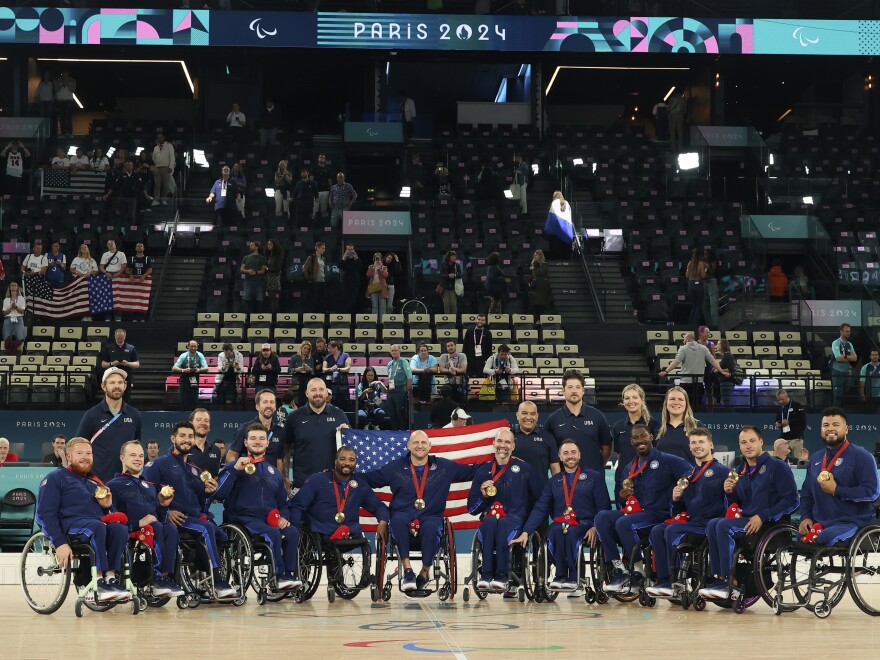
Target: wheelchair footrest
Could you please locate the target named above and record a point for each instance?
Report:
(418, 593)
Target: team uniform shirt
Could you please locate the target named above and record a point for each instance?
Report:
(675, 441)
(275, 434)
(538, 449)
(442, 473)
(107, 433)
(794, 420)
(704, 498)
(589, 429)
(316, 500)
(855, 472)
(252, 495)
(113, 352)
(590, 496)
(66, 498)
(767, 490)
(517, 486)
(870, 376)
(136, 497)
(207, 458)
(189, 489)
(621, 434)
(140, 265)
(839, 348)
(653, 486)
(312, 438)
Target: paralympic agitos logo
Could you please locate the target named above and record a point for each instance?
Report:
(260, 31)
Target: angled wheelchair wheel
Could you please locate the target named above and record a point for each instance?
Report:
(531, 566)
(864, 570)
(766, 562)
(353, 571)
(311, 563)
(44, 583)
(237, 558)
(447, 554)
(378, 582)
(476, 567)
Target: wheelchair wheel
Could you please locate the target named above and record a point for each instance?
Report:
(378, 587)
(531, 566)
(829, 569)
(864, 570)
(765, 562)
(476, 567)
(44, 583)
(236, 561)
(311, 563)
(353, 572)
(446, 557)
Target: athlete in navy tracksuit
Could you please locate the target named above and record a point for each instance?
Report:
(843, 503)
(66, 507)
(416, 496)
(189, 509)
(584, 492)
(765, 492)
(703, 499)
(654, 474)
(340, 490)
(259, 502)
(504, 512)
(138, 499)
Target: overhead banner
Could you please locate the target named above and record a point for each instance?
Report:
(588, 34)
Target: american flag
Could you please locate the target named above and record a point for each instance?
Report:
(81, 297)
(465, 444)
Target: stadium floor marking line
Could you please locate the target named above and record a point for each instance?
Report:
(454, 648)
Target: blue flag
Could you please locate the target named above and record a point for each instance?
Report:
(100, 295)
(559, 226)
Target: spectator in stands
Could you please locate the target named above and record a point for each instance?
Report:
(283, 186)
(352, 269)
(143, 159)
(189, 365)
(451, 281)
(442, 408)
(164, 160)
(119, 353)
(287, 407)
(400, 386)
(800, 284)
(423, 366)
(676, 423)
(371, 414)
(633, 401)
(408, 115)
(57, 265)
(45, 97)
(15, 153)
(791, 420)
(254, 268)
(727, 383)
(415, 177)
(487, 186)
(221, 445)
(305, 194)
(6, 456)
(80, 161)
(320, 352)
(869, 380)
(230, 366)
(274, 268)
(693, 359)
(710, 287)
(113, 262)
(496, 282)
(501, 366)
(58, 456)
(13, 319)
(240, 179)
(83, 265)
(843, 356)
(270, 124)
(152, 450)
(709, 380)
(323, 178)
(777, 282)
(127, 188)
(34, 264)
(676, 109)
(315, 273)
(392, 263)
(477, 345)
(695, 273)
(235, 125)
(442, 184)
(265, 369)
(223, 194)
(302, 367)
(99, 162)
(148, 182)
(2, 274)
(59, 160)
(337, 365)
(521, 175)
(377, 286)
(65, 87)
(141, 266)
(540, 295)
(455, 366)
(342, 196)
(782, 450)
(458, 418)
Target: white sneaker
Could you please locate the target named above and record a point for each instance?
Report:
(660, 591)
(483, 585)
(556, 585)
(498, 585)
(569, 585)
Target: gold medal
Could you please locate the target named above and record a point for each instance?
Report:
(627, 483)
(564, 528)
(101, 492)
(491, 491)
(683, 483)
(339, 517)
(733, 476)
(824, 475)
(166, 491)
(420, 504)
(250, 468)
(204, 476)
(568, 509)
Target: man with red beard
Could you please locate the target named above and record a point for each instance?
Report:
(72, 503)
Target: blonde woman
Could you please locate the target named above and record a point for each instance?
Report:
(302, 367)
(13, 319)
(540, 295)
(83, 265)
(676, 422)
(283, 186)
(632, 398)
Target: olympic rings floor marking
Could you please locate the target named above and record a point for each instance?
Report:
(453, 646)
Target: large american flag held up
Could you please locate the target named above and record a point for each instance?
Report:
(465, 444)
(82, 297)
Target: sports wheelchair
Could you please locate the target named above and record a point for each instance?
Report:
(196, 576)
(601, 575)
(45, 583)
(347, 562)
(444, 568)
(524, 569)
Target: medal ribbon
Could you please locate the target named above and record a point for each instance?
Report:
(420, 486)
(633, 475)
(569, 494)
(826, 467)
(502, 471)
(693, 479)
(90, 477)
(340, 501)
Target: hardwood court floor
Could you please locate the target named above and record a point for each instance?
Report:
(493, 629)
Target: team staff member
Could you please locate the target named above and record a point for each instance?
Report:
(138, 499)
(256, 496)
(841, 484)
(702, 499)
(676, 423)
(265, 403)
(119, 353)
(582, 423)
(533, 444)
(791, 420)
(500, 493)
(764, 489)
(204, 453)
(332, 500)
(110, 424)
(583, 494)
(67, 506)
(400, 383)
(650, 479)
(310, 434)
(189, 509)
(419, 489)
(633, 401)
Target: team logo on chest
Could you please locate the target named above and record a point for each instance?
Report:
(353, 483)
(271, 470)
(655, 465)
(763, 469)
(583, 477)
(434, 466)
(838, 462)
(709, 473)
(145, 484)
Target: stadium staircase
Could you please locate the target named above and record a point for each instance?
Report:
(181, 286)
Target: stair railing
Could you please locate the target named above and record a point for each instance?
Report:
(170, 229)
